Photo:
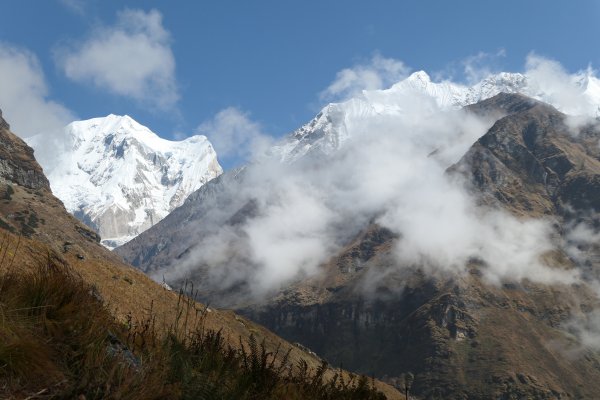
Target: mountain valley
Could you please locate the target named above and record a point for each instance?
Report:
(431, 229)
(39, 235)
(506, 318)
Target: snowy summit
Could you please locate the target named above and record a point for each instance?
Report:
(119, 177)
(329, 129)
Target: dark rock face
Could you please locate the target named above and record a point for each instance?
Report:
(460, 337)
(176, 234)
(532, 163)
(3, 123)
(17, 163)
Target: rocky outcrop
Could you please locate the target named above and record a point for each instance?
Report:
(17, 163)
(532, 163)
(3, 123)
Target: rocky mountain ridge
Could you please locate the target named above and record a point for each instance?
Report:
(330, 128)
(461, 335)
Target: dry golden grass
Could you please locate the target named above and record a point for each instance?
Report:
(59, 341)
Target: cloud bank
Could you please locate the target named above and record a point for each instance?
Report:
(391, 171)
(565, 91)
(132, 58)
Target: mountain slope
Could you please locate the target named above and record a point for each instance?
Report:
(336, 124)
(119, 177)
(36, 225)
(368, 308)
(534, 164)
(460, 335)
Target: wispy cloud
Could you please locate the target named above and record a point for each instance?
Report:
(481, 65)
(472, 68)
(235, 136)
(132, 58)
(378, 73)
(24, 94)
(560, 88)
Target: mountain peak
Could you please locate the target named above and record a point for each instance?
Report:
(111, 124)
(419, 76)
(121, 178)
(329, 129)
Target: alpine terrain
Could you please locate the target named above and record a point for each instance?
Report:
(79, 323)
(444, 230)
(120, 178)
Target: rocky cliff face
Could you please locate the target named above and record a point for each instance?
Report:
(3, 123)
(16, 161)
(533, 163)
(461, 336)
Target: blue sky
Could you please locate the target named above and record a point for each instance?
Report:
(267, 60)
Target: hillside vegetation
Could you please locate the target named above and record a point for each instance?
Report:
(60, 342)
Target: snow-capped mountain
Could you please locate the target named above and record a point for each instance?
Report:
(329, 129)
(118, 176)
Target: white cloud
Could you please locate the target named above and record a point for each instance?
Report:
(133, 58)
(234, 135)
(308, 211)
(471, 69)
(24, 94)
(378, 73)
(389, 168)
(582, 241)
(481, 65)
(586, 328)
(565, 91)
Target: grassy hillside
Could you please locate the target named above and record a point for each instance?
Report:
(59, 341)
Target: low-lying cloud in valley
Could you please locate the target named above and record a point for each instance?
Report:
(392, 172)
